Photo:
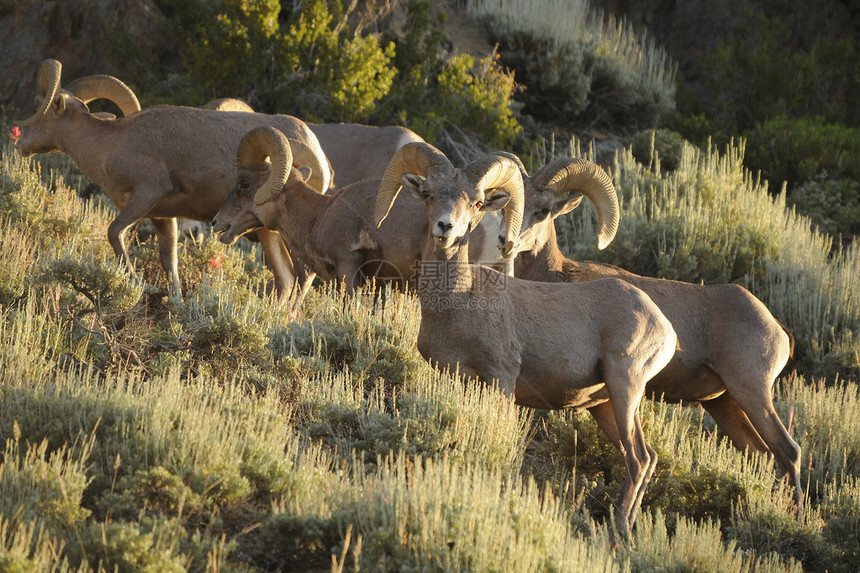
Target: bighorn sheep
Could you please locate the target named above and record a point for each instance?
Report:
(162, 162)
(731, 347)
(592, 345)
(334, 235)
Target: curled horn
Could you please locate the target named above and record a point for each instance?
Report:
(90, 88)
(568, 175)
(305, 156)
(258, 145)
(501, 173)
(416, 157)
(48, 80)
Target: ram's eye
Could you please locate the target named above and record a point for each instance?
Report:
(479, 204)
(244, 184)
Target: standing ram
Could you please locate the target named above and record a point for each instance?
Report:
(551, 346)
(162, 162)
(731, 347)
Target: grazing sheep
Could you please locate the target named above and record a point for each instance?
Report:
(731, 347)
(593, 345)
(161, 163)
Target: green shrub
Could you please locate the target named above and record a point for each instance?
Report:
(16, 265)
(832, 205)
(840, 509)
(25, 547)
(760, 72)
(694, 545)
(128, 547)
(796, 150)
(36, 484)
(767, 523)
(557, 83)
(314, 65)
(232, 50)
(107, 286)
(658, 144)
(154, 490)
(461, 95)
(330, 73)
(579, 66)
(429, 514)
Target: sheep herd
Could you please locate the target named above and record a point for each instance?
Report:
(325, 200)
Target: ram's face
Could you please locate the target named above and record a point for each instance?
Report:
(454, 205)
(41, 135)
(238, 215)
(541, 208)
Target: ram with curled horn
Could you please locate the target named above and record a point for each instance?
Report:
(731, 346)
(548, 346)
(160, 163)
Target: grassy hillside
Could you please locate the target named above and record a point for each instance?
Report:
(227, 433)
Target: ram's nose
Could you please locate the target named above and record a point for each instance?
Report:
(443, 228)
(223, 229)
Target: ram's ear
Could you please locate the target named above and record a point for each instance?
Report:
(414, 184)
(496, 200)
(566, 204)
(59, 104)
(304, 172)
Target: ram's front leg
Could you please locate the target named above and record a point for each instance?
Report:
(167, 234)
(277, 258)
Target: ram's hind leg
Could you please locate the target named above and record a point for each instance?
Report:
(604, 415)
(625, 394)
(733, 422)
(757, 404)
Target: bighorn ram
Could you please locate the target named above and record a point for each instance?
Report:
(592, 345)
(334, 235)
(731, 347)
(162, 162)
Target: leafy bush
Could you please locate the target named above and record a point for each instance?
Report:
(331, 75)
(653, 144)
(760, 73)
(232, 51)
(579, 66)
(310, 63)
(474, 97)
(436, 94)
(832, 205)
(796, 150)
